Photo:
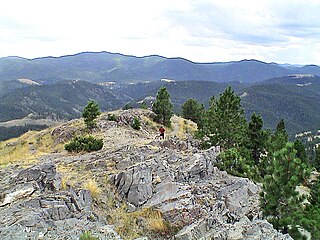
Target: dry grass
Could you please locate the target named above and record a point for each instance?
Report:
(21, 149)
(69, 177)
(190, 127)
(181, 127)
(155, 221)
(131, 225)
(74, 176)
(93, 187)
(125, 223)
(64, 184)
(152, 125)
(78, 123)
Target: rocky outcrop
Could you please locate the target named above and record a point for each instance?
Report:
(241, 230)
(32, 206)
(134, 171)
(184, 184)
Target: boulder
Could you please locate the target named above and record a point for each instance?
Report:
(135, 184)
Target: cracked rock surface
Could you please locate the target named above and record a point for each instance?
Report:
(191, 192)
(32, 206)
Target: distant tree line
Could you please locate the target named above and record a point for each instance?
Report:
(16, 131)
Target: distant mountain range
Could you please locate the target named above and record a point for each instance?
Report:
(55, 88)
(105, 66)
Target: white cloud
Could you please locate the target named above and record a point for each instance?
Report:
(203, 30)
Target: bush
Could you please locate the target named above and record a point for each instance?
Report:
(87, 236)
(144, 105)
(136, 123)
(236, 161)
(112, 117)
(86, 144)
(127, 106)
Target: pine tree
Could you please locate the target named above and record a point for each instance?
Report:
(192, 110)
(314, 198)
(162, 107)
(225, 122)
(90, 113)
(280, 137)
(257, 138)
(301, 151)
(281, 129)
(317, 159)
(310, 220)
(280, 202)
(237, 161)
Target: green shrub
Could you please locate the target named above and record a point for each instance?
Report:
(136, 124)
(144, 105)
(112, 117)
(87, 236)
(82, 143)
(237, 161)
(127, 106)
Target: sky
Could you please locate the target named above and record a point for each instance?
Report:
(282, 31)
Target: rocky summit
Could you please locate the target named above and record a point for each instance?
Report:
(136, 187)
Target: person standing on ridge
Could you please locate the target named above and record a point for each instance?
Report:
(162, 130)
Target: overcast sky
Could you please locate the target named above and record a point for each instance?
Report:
(283, 31)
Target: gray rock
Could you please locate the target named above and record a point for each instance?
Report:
(190, 191)
(135, 184)
(18, 192)
(196, 230)
(33, 207)
(45, 175)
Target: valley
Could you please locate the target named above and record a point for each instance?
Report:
(296, 99)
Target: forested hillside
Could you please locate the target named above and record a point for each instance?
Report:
(105, 66)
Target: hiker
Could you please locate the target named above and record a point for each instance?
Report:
(162, 130)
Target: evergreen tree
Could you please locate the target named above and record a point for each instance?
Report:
(205, 125)
(310, 220)
(237, 161)
(280, 202)
(314, 198)
(162, 107)
(301, 151)
(280, 137)
(225, 122)
(257, 138)
(192, 110)
(317, 159)
(90, 113)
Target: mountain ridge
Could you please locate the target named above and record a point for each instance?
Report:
(104, 65)
(160, 56)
